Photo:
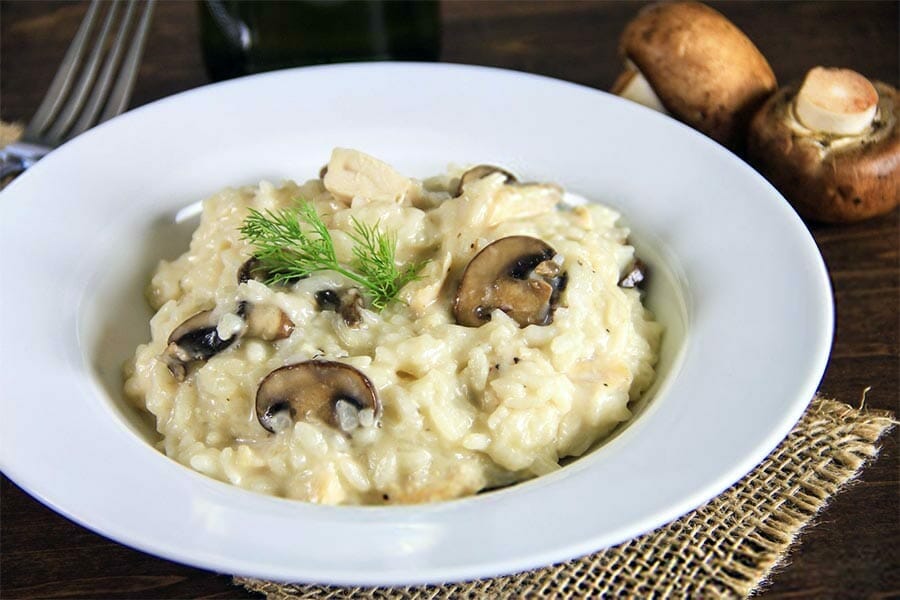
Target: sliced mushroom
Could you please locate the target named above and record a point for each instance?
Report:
(480, 172)
(631, 84)
(194, 340)
(253, 269)
(635, 275)
(351, 304)
(265, 321)
(328, 299)
(516, 274)
(325, 391)
(200, 337)
(347, 303)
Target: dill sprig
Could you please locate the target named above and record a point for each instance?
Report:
(294, 242)
(374, 260)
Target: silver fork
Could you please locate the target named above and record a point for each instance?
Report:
(70, 107)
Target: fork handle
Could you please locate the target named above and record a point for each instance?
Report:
(18, 156)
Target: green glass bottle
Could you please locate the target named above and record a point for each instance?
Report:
(241, 37)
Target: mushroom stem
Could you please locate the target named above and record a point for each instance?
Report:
(836, 101)
(265, 321)
(632, 85)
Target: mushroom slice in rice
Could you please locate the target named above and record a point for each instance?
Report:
(518, 275)
(325, 391)
(480, 172)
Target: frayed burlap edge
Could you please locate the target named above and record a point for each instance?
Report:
(9, 133)
(724, 549)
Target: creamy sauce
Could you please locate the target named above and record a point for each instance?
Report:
(463, 408)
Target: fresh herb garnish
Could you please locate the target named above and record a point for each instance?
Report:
(294, 242)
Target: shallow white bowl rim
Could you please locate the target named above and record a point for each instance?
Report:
(758, 305)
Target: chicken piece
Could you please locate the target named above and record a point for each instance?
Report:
(351, 174)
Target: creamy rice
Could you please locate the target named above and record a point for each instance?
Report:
(462, 408)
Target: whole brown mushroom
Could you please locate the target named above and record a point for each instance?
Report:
(686, 59)
(831, 145)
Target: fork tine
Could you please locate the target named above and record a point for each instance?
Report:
(101, 87)
(88, 73)
(56, 93)
(125, 82)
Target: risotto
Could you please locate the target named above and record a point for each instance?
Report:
(517, 339)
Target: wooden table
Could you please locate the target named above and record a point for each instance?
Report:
(854, 551)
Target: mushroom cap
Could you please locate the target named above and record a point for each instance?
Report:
(704, 70)
(311, 390)
(830, 178)
(515, 274)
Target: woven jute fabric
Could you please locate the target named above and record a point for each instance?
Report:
(724, 549)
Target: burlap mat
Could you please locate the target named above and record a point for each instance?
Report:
(724, 549)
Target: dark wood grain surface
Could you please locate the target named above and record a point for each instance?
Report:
(852, 552)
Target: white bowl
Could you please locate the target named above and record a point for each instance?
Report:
(737, 281)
